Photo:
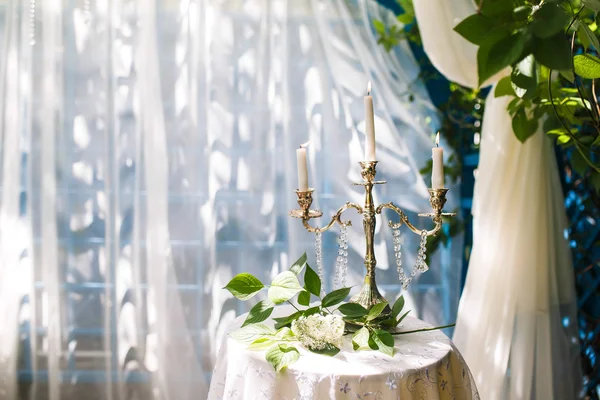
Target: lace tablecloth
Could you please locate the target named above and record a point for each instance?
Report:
(426, 365)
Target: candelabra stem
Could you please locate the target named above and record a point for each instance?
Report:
(369, 294)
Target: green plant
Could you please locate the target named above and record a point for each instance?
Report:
(391, 36)
(317, 326)
(549, 49)
(461, 112)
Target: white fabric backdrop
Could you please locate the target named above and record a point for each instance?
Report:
(516, 325)
(147, 157)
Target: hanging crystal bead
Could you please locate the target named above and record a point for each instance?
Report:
(31, 22)
(421, 265)
(341, 264)
(398, 255)
(319, 259)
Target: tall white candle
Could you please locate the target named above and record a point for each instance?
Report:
(302, 168)
(437, 170)
(369, 126)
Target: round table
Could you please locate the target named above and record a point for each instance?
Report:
(426, 365)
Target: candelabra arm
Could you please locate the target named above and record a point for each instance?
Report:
(336, 218)
(437, 219)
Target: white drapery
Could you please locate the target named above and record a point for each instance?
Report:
(147, 157)
(516, 325)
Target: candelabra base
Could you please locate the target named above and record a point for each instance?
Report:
(369, 295)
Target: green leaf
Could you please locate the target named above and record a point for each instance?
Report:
(352, 310)
(563, 139)
(402, 318)
(521, 13)
(312, 283)
(522, 126)
(379, 26)
(398, 306)
(281, 356)
(504, 88)
(304, 298)
(244, 286)
(557, 131)
(262, 343)
(492, 8)
(330, 350)
(593, 5)
(474, 28)
(260, 312)
(390, 323)
(578, 162)
(372, 343)
(284, 287)
(553, 52)
(286, 321)
(360, 339)
(549, 20)
(284, 334)
(299, 264)
(311, 311)
(376, 310)
(250, 333)
(492, 58)
(587, 37)
(385, 342)
(335, 297)
(587, 66)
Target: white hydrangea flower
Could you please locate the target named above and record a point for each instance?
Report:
(317, 332)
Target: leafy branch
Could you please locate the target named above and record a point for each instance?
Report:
(315, 327)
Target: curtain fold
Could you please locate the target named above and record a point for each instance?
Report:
(147, 158)
(516, 323)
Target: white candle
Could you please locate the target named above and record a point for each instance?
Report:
(302, 168)
(369, 126)
(437, 169)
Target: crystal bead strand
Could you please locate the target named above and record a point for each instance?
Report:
(420, 265)
(341, 263)
(344, 247)
(319, 258)
(31, 22)
(398, 254)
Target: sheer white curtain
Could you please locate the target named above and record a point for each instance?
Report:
(516, 325)
(147, 157)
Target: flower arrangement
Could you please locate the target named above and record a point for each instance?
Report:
(317, 326)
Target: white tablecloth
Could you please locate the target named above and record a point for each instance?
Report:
(425, 366)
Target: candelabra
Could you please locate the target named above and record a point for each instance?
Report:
(369, 294)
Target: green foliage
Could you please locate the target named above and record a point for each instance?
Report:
(552, 35)
(279, 341)
(587, 66)
(335, 297)
(284, 287)
(375, 311)
(299, 264)
(353, 310)
(312, 283)
(282, 355)
(244, 286)
(260, 312)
